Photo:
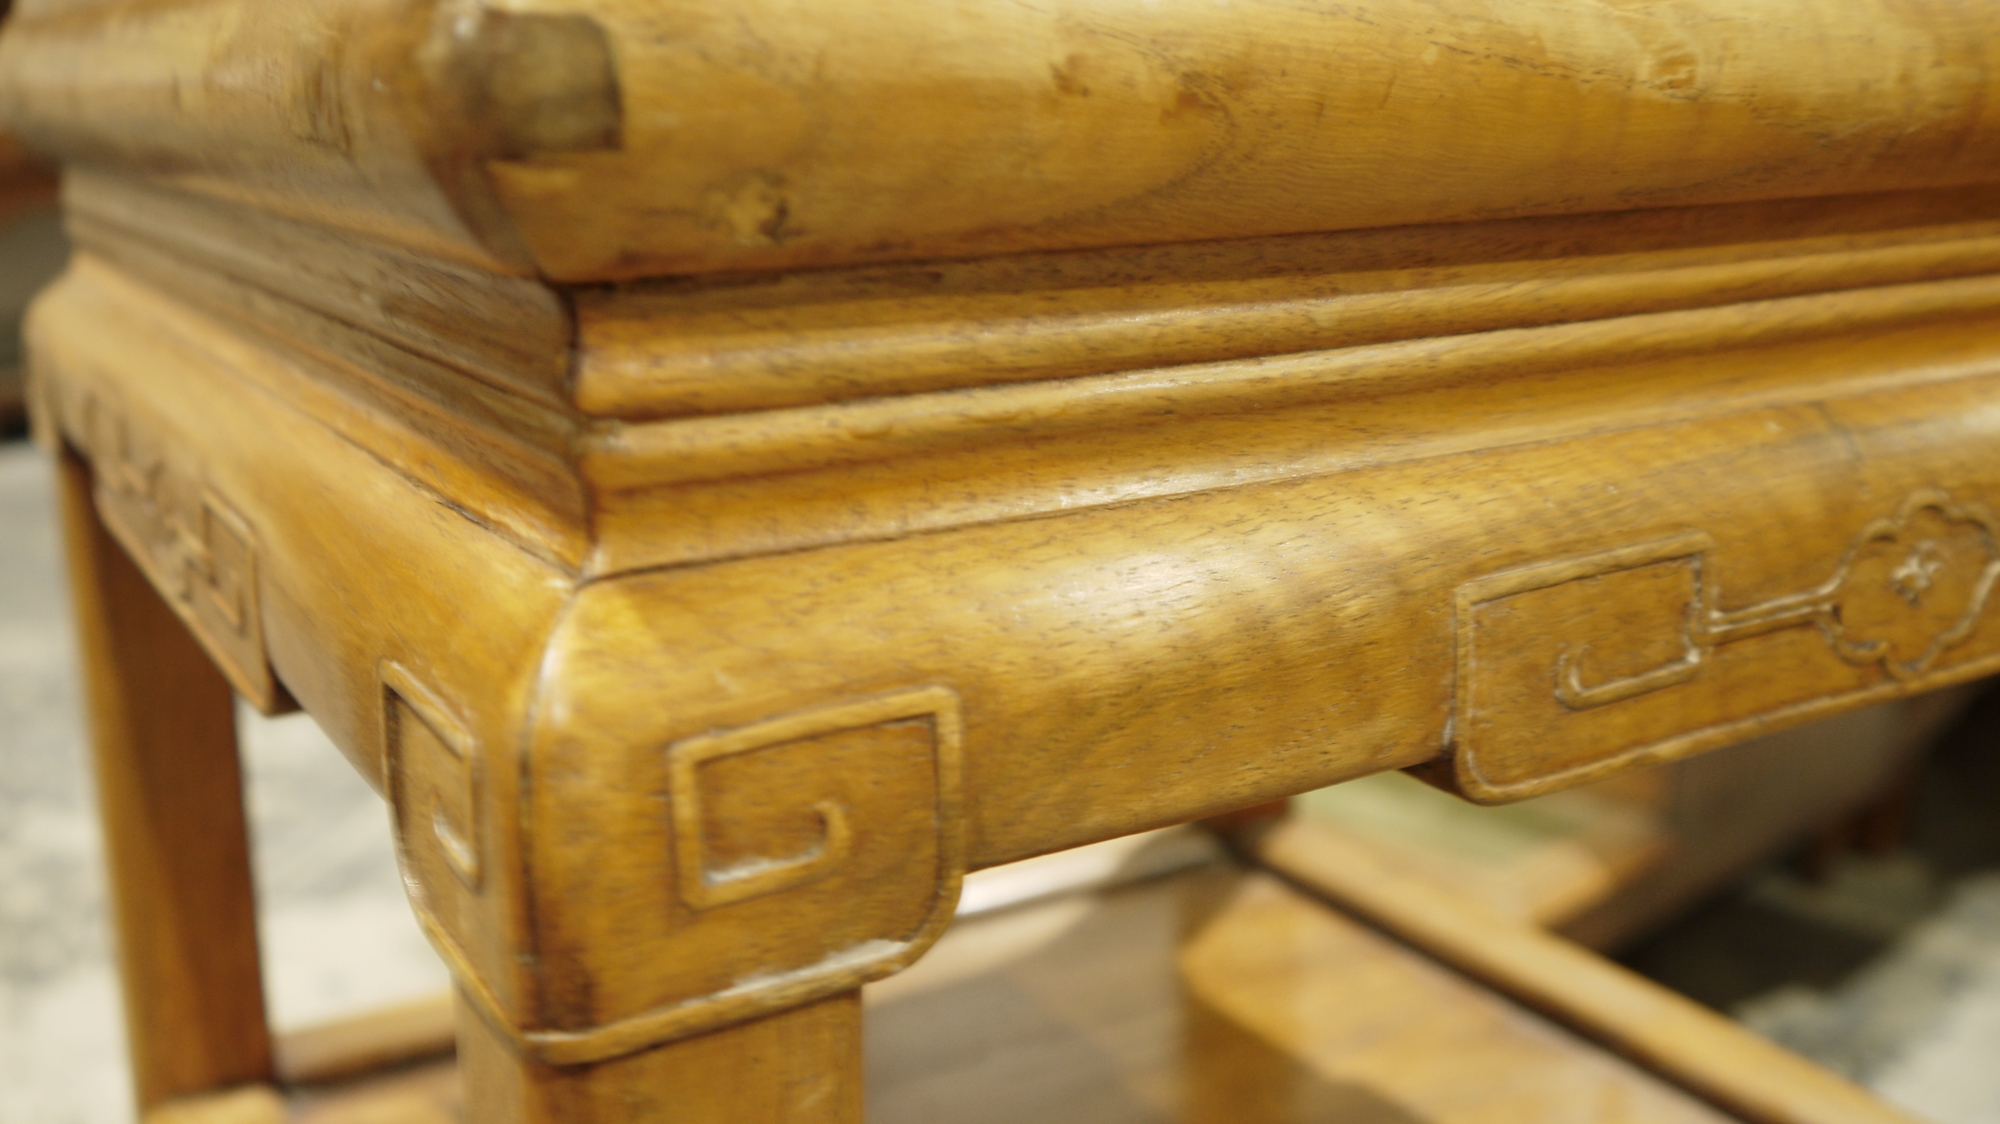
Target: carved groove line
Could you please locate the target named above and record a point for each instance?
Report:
(194, 546)
(763, 994)
(458, 842)
(704, 887)
(1907, 590)
(1710, 627)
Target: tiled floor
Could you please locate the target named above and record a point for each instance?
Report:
(1890, 970)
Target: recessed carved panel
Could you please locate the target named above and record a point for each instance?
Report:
(433, 782)
(812, 852)
(732, 842)
(1571, 668)
(193, 545)
(770, 807)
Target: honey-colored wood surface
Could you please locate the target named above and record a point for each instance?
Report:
(423, 1094)
(797, 1066)
(1158, 658)
(169, 789)
(1213, 995)
(242, 1104)
(1603, 863)
(424, 1029)
(462, 381)
(1221, 995)
(600, 139)
(1189, 405)
(1545, 860)
(693, 346)
(418, 1030)
(1664, 1031)
(1723, 811)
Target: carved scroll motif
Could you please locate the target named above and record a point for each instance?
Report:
(1627, 624)
(1906, 641)
(844, 820)
(702, 885)
(705, 884)
(192, 544)
(433, 784)
(834, 835)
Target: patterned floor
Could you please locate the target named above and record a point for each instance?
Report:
(1904, 951)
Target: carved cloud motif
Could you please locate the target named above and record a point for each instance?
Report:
(1535, 644)
(1914, 584)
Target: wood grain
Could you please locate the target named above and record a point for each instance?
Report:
(1140, 667)
(163, 739)
(699, 346)
(1220, 996)
(767, 442)
(772, 136)
(493, 455)
(568, 405)
(798, 1066)
(1689, 1044)
(190, 398)
(509, 333)
(419, 1030)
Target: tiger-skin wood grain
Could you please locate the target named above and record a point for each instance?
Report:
(1767, 474)
(703, 631)
(633, 456)
(607, 497)
(1080, 673)
(787, 340)
(682, 347)
(1347, 412)
(703, 137)
(344, 547)
(610, 496)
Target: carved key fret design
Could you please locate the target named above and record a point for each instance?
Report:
(1567, 668)
(1906, 627)
(845, 819)
(195, 547)
(433, 779)
(704, 883)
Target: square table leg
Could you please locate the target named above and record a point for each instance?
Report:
(800, 1066)
(169, 785)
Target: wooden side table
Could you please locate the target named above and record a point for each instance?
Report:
(724, 471)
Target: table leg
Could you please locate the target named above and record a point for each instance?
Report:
(801, 1066)
(169, 785)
